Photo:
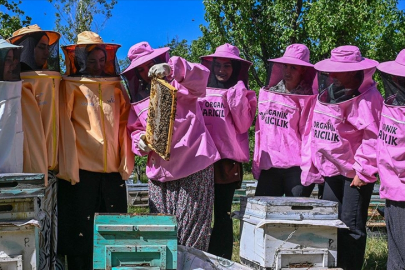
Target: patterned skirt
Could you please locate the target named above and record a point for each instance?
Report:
(48, 219)
(191, 200)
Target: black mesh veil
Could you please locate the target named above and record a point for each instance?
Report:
(394, 87)
(10, 64)
(239, 73)
(92, 60)
(277, 76)
(37, 53)
(139, 89)
(339, 86)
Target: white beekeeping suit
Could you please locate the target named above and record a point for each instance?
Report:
(11, 134)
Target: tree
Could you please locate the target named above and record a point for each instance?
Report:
(76, 16)
(179, 48)
(10, 23)
(262, 29)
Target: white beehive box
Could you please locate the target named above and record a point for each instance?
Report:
(289, 233)
(20, 220)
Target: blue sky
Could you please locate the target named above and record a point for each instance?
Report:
(157, 22)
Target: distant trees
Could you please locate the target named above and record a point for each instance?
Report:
(76, 16)
(11, 18)
(263, 28)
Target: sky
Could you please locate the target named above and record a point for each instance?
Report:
(154, 21)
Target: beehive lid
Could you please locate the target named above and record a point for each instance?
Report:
(13, 185)
(289, 208)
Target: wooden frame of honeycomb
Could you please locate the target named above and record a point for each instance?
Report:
(161, 114)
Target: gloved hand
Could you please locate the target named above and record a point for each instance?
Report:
(142, 144)
(160, 70)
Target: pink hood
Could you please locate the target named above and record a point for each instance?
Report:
(345, 58)
(228, 115)
(295, 54)
(343, 137)
(192, 147)
(230, 52)
(396, 67)
(280, 128)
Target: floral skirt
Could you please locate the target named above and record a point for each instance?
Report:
(191, 200)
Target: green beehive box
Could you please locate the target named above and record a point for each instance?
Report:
(131, 241)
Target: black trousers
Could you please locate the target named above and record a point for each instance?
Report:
(280, 182)
(77, 204)
(221, 241)
(395, 220)
(353, 208)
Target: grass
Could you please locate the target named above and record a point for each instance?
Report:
(376, 253)
(374, 259)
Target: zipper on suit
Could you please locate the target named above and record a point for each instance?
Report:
(100, 99)
(213, 95)
(278, 102)
(143, 110)
(343, 119)
(393, 119)
(54, 131)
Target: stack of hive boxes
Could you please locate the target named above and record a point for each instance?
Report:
(22, 220)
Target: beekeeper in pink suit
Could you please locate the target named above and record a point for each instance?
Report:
(284, 108)
(229, 108)
(391, 158)
(341, 146)
(184, 185)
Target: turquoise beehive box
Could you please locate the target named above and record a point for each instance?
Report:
(131, 241)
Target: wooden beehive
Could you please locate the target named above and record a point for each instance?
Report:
(131, 241)
(11, 262)
(137, 194)
(161, 115)
(20, 223)
(287, 232)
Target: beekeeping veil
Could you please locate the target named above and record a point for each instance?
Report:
(239, 65)
(297, 56)
(11, 135)
(393, 77)
(345, 75)
(9, 61)
(91, 57)
(40, 48)
(139, 54)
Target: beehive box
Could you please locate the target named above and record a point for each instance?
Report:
(247, 189)
(10, 262)
(20, 200)
(130, 241)
(19, 240)
(288, 233)
(137, 194)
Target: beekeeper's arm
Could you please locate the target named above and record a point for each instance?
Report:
(68, 158)
(127, 157)
(242, 106)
